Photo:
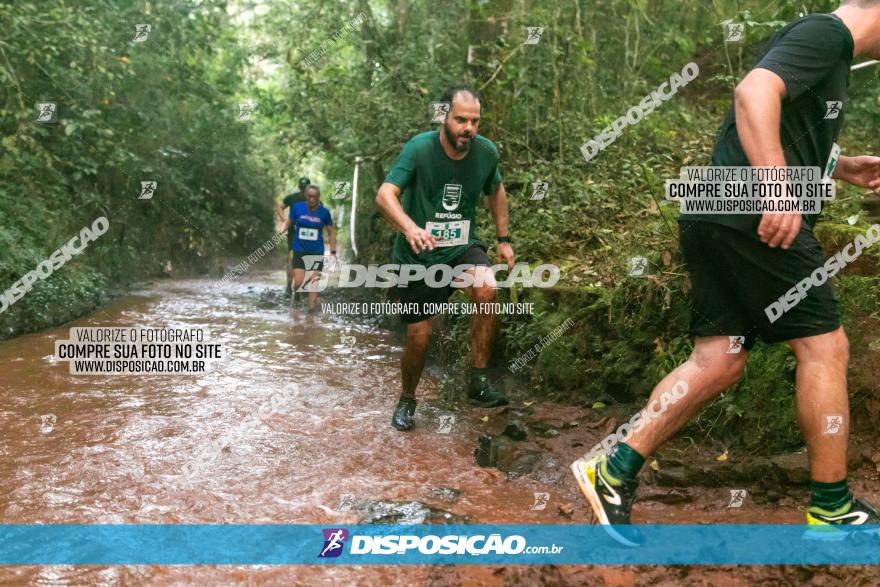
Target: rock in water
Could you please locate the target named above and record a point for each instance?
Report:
(413, 512)
(515, 430)
(487, 452)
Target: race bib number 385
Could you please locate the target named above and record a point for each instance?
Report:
(308, 234)
(450, 234)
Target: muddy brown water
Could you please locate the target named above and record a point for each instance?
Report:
(113, 449)
(123, 448)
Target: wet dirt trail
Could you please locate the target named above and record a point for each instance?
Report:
(104, 449)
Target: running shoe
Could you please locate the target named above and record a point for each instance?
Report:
(404, 413)
(610, 498)
(835, 525)
(482, 393)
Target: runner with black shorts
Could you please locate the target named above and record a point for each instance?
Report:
(440, 176)
(287, 202)
(787, 111)
(308, 220)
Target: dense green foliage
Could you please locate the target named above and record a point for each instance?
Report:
(164, 109)
(336, 81)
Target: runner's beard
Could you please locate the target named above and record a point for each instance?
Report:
(453, 139)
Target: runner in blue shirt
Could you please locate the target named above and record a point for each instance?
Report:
(308, 220)
(285, 204)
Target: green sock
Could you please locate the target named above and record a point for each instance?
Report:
(830, 496)
(625, 463)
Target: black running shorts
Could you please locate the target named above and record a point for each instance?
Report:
(737, 282)
(298, 263)
(421, 294)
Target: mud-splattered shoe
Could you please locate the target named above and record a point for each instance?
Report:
(404, 414)
(610, 498)
(482, 393)
(837, 525)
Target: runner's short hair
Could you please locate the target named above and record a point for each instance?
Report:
(862, 3)
(312, 186)
(450, 91)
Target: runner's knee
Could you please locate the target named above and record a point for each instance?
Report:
(830, 347)
(724, 368)
(419, 334)
(734, 371)
(484, 294)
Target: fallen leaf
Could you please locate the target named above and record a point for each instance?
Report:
(598, 405)
(485, 418)
(655, 465)
(566, 509)
(722, 457)
(527, 404)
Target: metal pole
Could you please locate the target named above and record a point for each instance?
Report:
(863, 65)
(354, 195)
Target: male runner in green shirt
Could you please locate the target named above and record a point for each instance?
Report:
(440, 176)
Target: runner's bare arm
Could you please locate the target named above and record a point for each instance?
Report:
(862, 171)
(286, 225)
(758, 106)
(331, 233)
(279, 209)
(388, 201)
(497, 203)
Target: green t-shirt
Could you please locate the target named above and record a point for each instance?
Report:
(441, 194)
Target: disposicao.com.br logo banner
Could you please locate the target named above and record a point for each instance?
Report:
(282, 544)
(440, 542)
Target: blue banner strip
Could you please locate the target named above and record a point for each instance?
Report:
(147, 544)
